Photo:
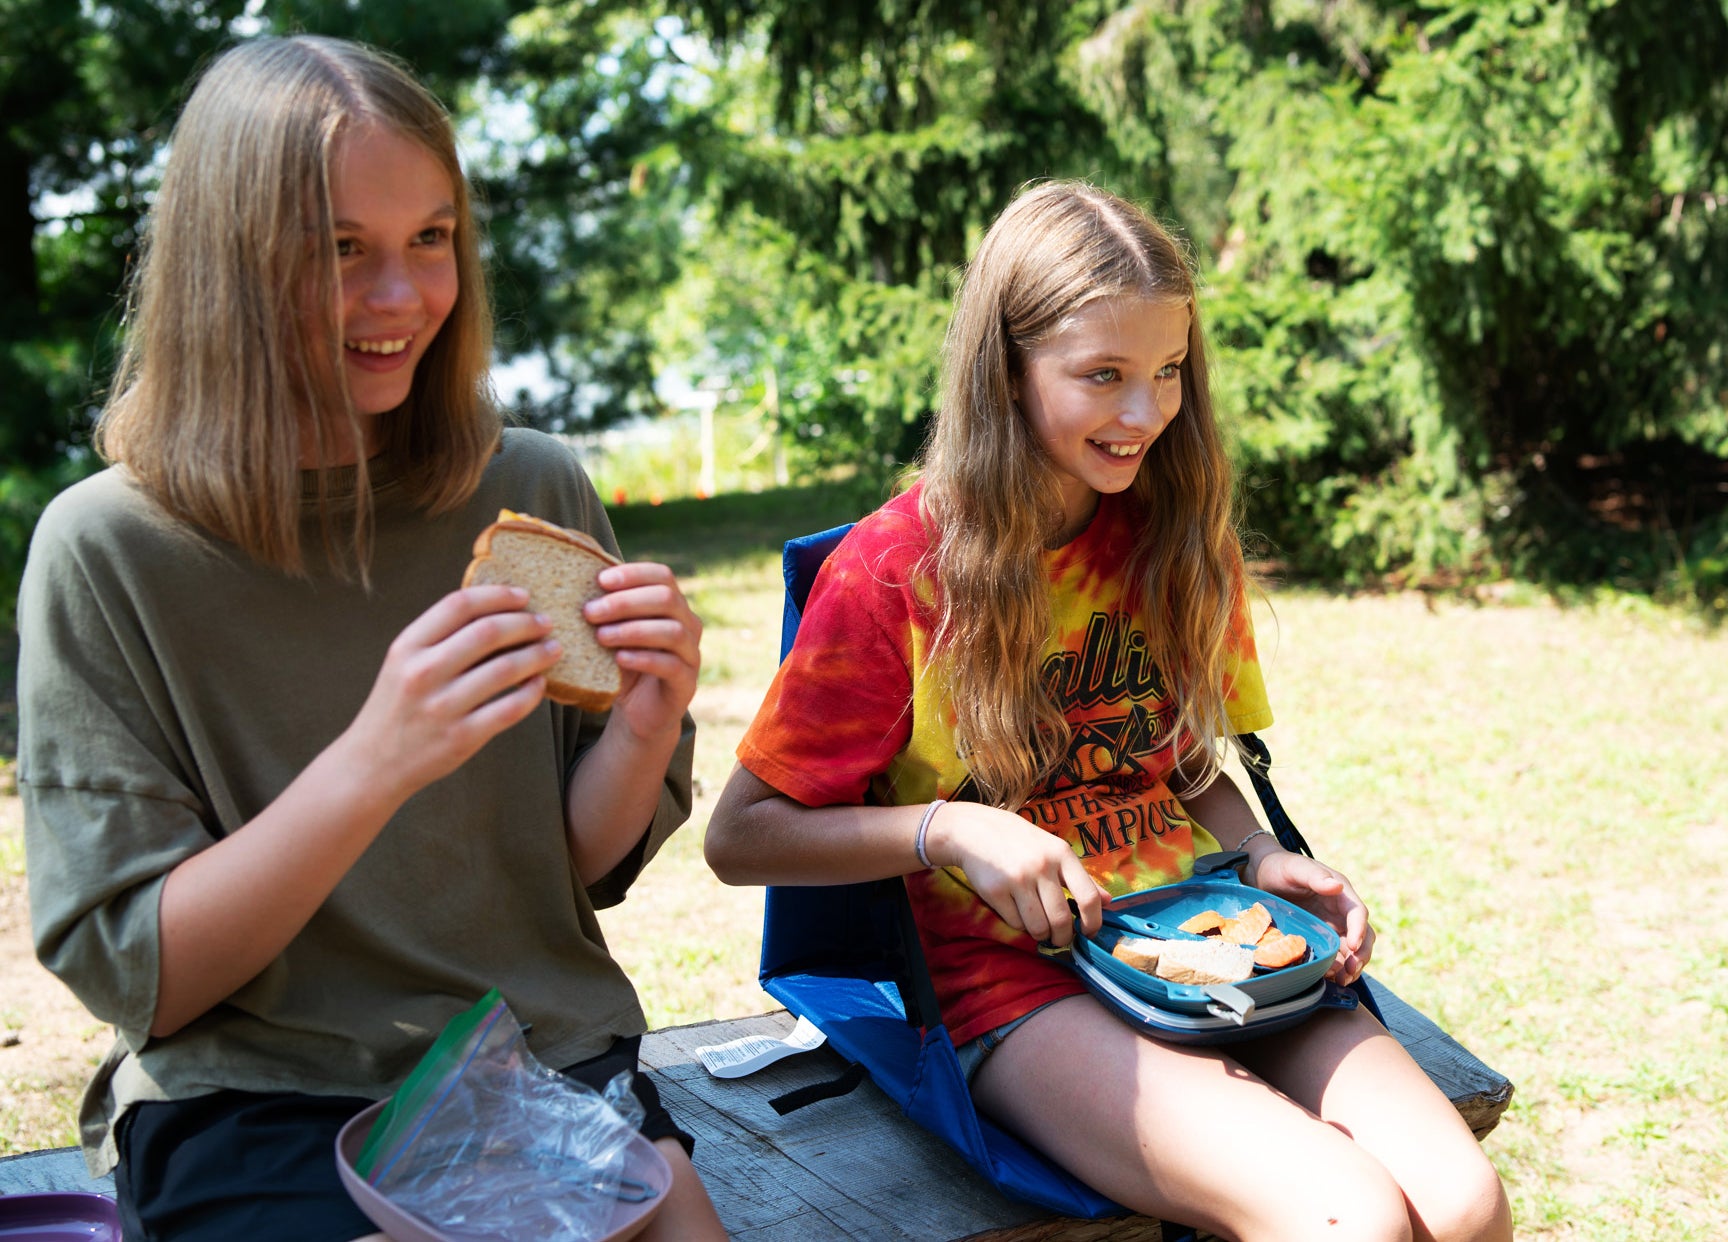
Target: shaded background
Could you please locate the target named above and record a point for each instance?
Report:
(1463, 264)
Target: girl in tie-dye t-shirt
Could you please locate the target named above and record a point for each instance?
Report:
(1016, 683)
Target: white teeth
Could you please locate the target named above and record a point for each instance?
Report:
(1118, 450)
(380, 347)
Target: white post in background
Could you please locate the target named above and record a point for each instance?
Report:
(771, 407)
(705, 479)
(705, 397)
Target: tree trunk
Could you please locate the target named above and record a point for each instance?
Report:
(19, 288)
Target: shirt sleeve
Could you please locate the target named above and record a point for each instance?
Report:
(840, 706)
(1244, 686)
(110, 803)
(676, 786)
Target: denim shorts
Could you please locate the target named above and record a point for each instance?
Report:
(974, 1052)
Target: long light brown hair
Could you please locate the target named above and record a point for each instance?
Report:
(233, 353)
(991, 495)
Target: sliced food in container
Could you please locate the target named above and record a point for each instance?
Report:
(1158, 914)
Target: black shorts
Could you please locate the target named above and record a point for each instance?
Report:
(262, 1167)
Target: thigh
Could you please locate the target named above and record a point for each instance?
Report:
(1349, 1070)
(1185, 1133)
(688, 1215)
(236, 1164)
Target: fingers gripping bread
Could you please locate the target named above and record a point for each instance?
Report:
(558, 568)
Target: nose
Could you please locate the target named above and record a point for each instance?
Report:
(390, 286)
(1143, 408)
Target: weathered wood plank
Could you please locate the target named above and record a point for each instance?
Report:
(1479, 1093)
(852, 1167)
(57, 1169)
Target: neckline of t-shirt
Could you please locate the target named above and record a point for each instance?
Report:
(340, 483)
(1086, 534)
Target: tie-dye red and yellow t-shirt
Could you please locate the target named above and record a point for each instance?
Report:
(858, 714)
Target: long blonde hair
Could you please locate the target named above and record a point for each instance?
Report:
(228, 364)
(991, 496)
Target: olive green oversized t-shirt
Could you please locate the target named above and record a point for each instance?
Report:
(170, 688)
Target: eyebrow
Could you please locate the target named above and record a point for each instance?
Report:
(446, 212)
(1178, 355)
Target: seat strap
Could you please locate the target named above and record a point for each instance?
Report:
(841, 1084)
(1258, 762)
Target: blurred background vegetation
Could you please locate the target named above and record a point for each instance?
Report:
(1463, 263)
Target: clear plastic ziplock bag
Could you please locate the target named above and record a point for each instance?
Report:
(485, 1141)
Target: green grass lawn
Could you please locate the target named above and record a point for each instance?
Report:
(1532, 799)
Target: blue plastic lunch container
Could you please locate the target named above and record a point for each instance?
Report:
(1268, 1001)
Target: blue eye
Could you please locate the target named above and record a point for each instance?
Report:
(1166, 371)
(1106, 375)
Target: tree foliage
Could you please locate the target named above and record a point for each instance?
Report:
(1498, 251)
(1463, 263)
(878, 139)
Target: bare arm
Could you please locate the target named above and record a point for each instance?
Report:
(615, 789)
(757, 835)
(1225, 813)
(464, 671)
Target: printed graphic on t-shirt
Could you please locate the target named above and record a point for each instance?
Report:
(1107, 796)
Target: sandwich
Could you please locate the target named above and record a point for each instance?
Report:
(558, 568)
(1204, 961)
(1139, 952)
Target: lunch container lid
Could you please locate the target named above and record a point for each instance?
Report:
(1175, 1027)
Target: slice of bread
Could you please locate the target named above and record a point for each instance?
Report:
(1204, 961)
(558, 568)
(1138, 952)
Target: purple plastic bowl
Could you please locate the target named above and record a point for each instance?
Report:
(59, 1216)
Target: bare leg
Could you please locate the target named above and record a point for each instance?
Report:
(1184, 1133)
(688, 1213)
(1345, 1067)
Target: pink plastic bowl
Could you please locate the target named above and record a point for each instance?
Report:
(642, 1162)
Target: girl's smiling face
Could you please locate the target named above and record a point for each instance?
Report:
(395, 216)
(1099, 391)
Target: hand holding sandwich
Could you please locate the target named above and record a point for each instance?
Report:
(651, 630)
(462, 672)
(478, 661)
(648, 625)
(626, 641)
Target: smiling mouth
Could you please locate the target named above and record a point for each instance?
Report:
(379, 347)
(1118, 450)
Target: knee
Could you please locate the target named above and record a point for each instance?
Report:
(1359, 1202)
(1374, 1210)
(1470, 1206)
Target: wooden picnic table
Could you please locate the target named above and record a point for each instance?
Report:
(854, 1167)
(850, 1167)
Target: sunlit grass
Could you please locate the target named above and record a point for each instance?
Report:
(1525, 806)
